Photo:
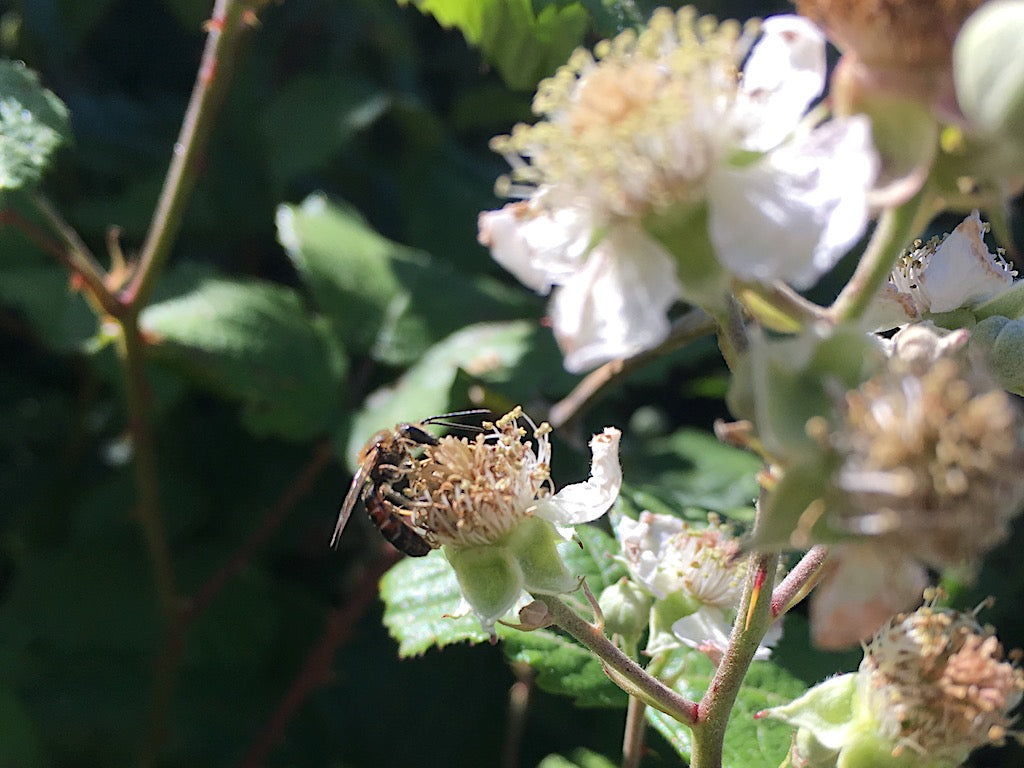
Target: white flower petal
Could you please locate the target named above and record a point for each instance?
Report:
(962, 272)
(616, 304)
(891, 308)
(783, 75)
(792, 215)
(709, 628)
(643, 543)
(540, 247)
(586, 501)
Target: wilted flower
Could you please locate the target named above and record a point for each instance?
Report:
(489, 503)
(662, 125)
(696, 578)
(946, 273)
(931, 460)
(932, 687)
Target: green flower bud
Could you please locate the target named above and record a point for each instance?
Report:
(1000, 343)
(626, 608)
(988, 67)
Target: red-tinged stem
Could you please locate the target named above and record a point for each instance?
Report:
(656, 692)
(266, 527)
(316, 669)
(231, 18)
(799, 580)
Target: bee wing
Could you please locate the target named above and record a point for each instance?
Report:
(354, 490)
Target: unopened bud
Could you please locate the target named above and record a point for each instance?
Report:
(999, 341)
(626, 608)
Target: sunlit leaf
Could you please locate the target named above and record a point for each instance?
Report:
(384, 298)
(252, 342)
(522, 43)
(420, 595)
(33, 124)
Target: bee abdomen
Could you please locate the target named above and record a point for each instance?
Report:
(393, 528)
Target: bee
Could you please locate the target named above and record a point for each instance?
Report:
(384, 462)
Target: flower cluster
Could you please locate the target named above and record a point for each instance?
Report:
(489, 504)
(695, 577)
(659, 129)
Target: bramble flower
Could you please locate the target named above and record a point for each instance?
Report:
(946, 273)
(695, 576)
(489, 504)
(932, 687)
(659, 130)
(931, 459)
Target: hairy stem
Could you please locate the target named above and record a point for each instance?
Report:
(653, 690)
(752, 622)
(894, 232)
(225, 29)
(799, 580)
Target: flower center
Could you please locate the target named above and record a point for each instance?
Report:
(472, 492)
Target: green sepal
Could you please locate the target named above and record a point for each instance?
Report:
(826, 711)
(999, 341)
(790, 518)
(794, 379)
(490, 579)
(666, 612)
(683, 231)
(1009, 303)
(534, 545)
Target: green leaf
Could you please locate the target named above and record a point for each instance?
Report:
(43, 295)
(749, 742)
(564, 667)
(420, 595)
(581, 758)
(312, 117)
(252, 342)
(596, 559)
(487, 350)
(522, 44)
(33, 124)
(691, 469)
(382, 297)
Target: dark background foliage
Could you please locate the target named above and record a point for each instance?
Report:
(380, 109)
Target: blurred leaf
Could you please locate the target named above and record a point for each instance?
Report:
(19, 741)
(33, 124)
(312, 117)
(43, 295)
(252, 342)
(484, 351)
(384, 298)
(522, 44)
(691, 469)
(420, 595)
(749, 743)
(581, 758)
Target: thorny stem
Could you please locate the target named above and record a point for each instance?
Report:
(717, 704)
(799, 580)
(316, 668)
(691, 326)
(230, 20)
(656, 692)
(893, 233)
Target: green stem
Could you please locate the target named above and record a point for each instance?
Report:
(653, 690)
(230, 20)
(633, 739)
(894, 232)
(717, 704)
